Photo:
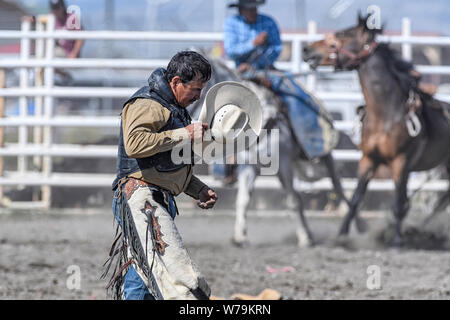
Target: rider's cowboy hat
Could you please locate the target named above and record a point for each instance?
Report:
(247, 3)
(234, 115)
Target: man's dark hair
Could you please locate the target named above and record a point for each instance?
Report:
(188, 65)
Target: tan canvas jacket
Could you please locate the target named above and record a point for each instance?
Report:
(141, 121)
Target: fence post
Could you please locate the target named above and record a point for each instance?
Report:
(49, 80)
(38, 100)
(2, 130)
(311, 78)
(23, 101)
(296, 55)
(406, 33)
(39, 83)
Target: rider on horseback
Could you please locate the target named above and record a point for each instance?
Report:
(253, 41)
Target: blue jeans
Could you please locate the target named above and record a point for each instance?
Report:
(303, 114)
(134, 287)
(303, 111)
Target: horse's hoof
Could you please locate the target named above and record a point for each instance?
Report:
(361, 225)
(306, 244)
(344, 230)
(343, 241)
(342, 237)
(304, 240)
(343, 233)
(398, 243)
(239, 243)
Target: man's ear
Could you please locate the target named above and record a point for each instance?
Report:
(174, 82)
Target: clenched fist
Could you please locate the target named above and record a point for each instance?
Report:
(207, 198)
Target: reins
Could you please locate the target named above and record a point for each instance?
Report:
(355, 58)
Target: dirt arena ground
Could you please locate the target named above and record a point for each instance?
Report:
(38, 250)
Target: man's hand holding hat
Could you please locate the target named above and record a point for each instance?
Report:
(196, 130)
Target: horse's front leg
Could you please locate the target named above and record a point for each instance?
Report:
(246, 181)
(400, 174)
(366, 171)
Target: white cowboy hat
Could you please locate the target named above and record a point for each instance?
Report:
(234, 115)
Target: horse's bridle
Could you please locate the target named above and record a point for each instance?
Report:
(354, 58)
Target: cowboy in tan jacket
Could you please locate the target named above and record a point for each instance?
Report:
(150, 259)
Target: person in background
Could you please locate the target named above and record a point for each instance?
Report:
(66, 48)
(252, 40)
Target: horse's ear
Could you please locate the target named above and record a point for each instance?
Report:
(376, 31)
(361, 19)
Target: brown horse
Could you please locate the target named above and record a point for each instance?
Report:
(403, 127)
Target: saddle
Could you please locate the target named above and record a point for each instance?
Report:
(425, 94)
(420, 97)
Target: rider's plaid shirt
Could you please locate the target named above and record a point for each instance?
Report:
(239, 36)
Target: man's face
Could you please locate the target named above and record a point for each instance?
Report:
(250, 14)
(186, 93)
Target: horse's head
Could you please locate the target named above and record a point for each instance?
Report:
(345, 49)
(322, 52)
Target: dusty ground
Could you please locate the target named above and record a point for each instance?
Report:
(36, 252)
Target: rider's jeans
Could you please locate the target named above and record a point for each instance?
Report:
(134, 287)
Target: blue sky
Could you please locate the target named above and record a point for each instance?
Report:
(430, 16)
(198, 15)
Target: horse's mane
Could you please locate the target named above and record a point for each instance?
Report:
(401, 70)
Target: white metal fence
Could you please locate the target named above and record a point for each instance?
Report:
(44, 91)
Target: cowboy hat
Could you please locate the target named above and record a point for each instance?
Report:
(247, 3)
(233, 113)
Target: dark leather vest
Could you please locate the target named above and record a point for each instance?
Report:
(159, 91)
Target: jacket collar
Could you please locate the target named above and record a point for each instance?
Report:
(158, 83)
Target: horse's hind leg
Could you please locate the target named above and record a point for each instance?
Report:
(246, 182)
(304, 235)
(328, 161)
(443, 202)
(366, 171)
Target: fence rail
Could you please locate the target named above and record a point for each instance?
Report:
(267, 182)
(117, 92)
(44, 92)
(201, 36)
